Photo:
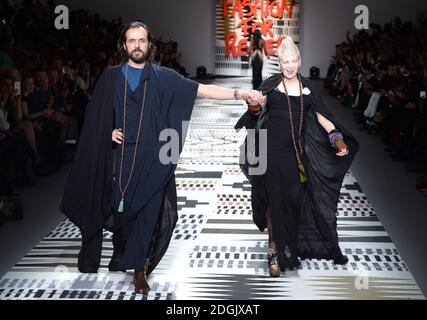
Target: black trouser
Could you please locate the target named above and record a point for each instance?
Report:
(90, 253)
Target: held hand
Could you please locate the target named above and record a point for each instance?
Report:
(256, 97)
(243, 95)
(247, 95)
(342, 148)
(117, 136)
(255, 101)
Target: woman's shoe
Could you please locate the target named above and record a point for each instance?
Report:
(273, 261)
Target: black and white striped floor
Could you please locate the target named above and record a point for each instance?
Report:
(216, 251)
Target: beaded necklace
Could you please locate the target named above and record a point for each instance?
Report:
(297, 146)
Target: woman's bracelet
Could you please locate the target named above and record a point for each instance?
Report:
(334, 136)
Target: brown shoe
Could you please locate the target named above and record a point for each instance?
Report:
(140, 280)
(273, 261)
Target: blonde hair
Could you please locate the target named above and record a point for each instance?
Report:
(288, 47)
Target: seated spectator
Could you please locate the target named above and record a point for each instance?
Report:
(18, 123)
(34, 109)
(382, 75)
(15, 152)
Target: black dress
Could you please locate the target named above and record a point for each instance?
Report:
(284, 189)
(302, 216)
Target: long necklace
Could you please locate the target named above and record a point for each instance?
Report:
(123, 191)
(297, 146)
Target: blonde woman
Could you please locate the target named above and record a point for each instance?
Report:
(308, 155)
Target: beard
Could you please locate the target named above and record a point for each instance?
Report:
(138, 59)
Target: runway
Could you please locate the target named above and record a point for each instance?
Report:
(216, 251)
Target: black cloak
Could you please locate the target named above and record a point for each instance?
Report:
(88, 195)
(325, 171)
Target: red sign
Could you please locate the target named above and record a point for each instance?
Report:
(249, 23)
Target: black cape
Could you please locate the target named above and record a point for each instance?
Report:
(88, 195)
(318, 238)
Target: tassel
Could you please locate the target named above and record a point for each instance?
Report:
(302, 177)
(121, 205)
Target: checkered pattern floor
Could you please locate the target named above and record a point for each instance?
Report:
(216, 251)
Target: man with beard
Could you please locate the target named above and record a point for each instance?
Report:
(138, 202)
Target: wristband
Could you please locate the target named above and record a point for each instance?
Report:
(236, 95)
(334, 137)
